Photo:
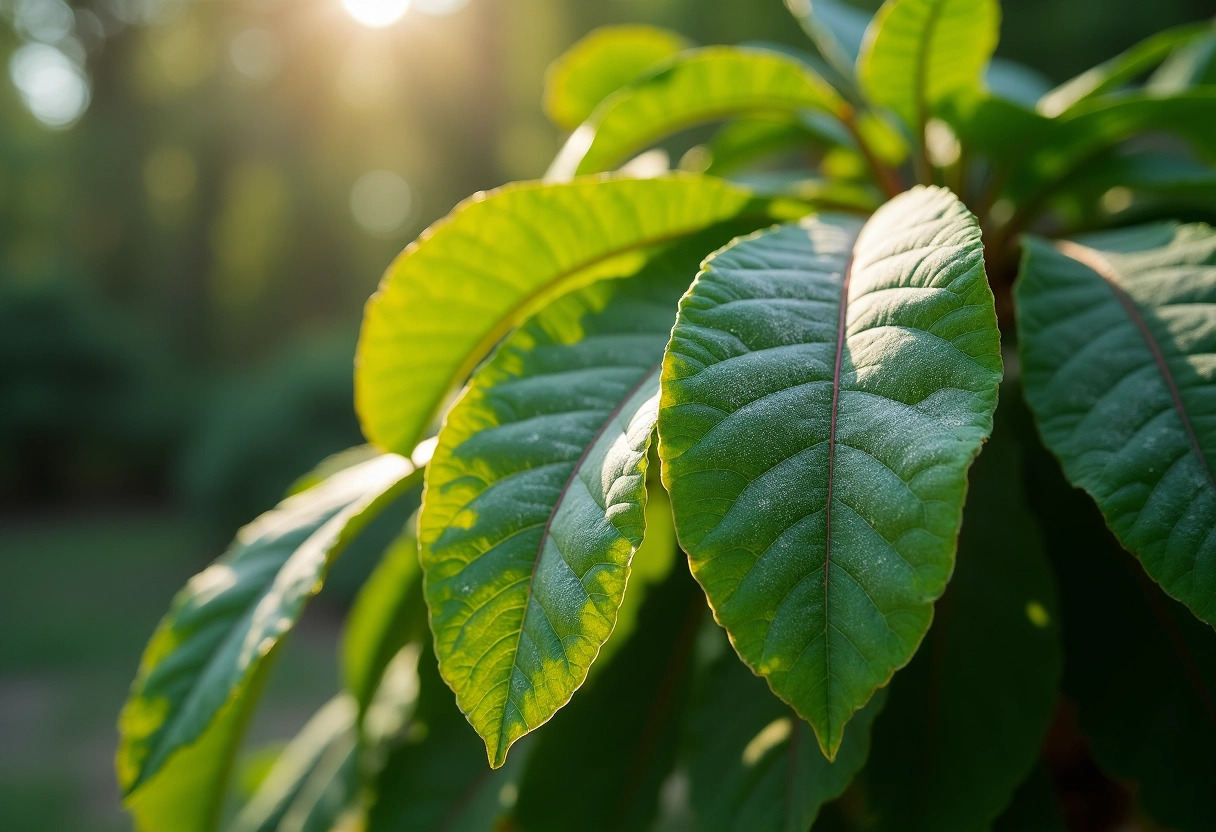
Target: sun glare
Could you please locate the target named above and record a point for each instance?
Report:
(376, 13)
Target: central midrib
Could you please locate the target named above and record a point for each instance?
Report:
(827, 529)
(1100, 266)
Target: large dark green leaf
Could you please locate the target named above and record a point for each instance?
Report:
(315, 782)
(1127, 66)
(1140, 668)
(435, 777)
(754, 764)
(918, 53)
(826, 387)
(1118, 342)
(536, 496)
(472, 277)
(600, 765)
(964, 721)
(600, 64)
(707, 84)
(201, 671)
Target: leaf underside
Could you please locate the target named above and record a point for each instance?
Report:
(825, 389)
(1118, 344)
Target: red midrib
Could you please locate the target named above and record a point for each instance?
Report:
(1098, 264)
(827, 526)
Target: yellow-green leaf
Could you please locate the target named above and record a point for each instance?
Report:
(472, 277)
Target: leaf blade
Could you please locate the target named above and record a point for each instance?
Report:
(536, 497)
(200, 673)
(918, 53)
(601, 63)
(706, 84)
(1143, 295)
(758, 480)
(470, 278)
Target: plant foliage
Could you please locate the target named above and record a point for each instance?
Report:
(779, 358)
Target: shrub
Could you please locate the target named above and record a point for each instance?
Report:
(814, 316)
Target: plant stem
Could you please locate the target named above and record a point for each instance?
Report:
(886, 178)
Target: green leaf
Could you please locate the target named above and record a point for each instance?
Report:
(836, 28)
(472, 277)
(202, 669)
(1034, 806)
(753, 763)
(1146, 172)
(918, 53)
(599, 65)
(536, 495)
(388, 613)
(1190, 65)
(965, 719)
(701, 85)
(1047, 158)
(621, 735)
(825, 389)
(1119, 70)
(315, 782)
(1001, 129)
(651, 564)
(1151, 659)
(435, 778)
(1118, 342)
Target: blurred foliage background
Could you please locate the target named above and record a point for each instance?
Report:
(196, 198)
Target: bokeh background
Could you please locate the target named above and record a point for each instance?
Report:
(196, 198)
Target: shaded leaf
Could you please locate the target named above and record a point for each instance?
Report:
(472, 277)
(826, 387)
(315, 781)
(435, 777)
(202, 669)
(918, 53)
(620, 735)
(536, 495)
(754, 764)
(1152, 660)
(600, 64)
(708, 84)
(1118, 342)
(388, 613)
(965, 719)
(1034, 807)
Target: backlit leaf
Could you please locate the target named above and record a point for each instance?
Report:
(826, 387)
(917, 53)
(201, 671)
(536, 496)
(472, 277)
(708, 84)
(599, 65)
